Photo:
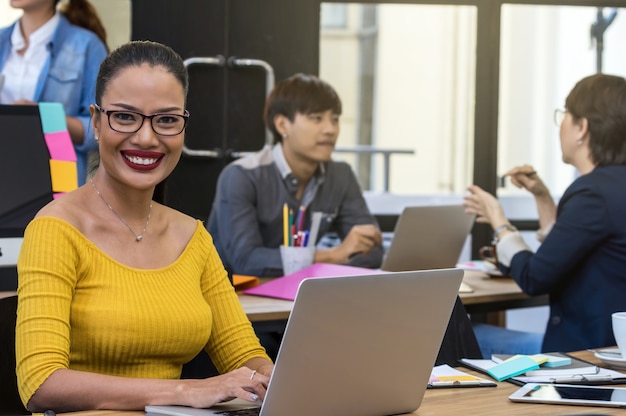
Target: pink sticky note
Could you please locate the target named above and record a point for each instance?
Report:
(60, 146)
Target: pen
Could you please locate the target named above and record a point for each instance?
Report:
(291, 227)
(501, 182)
(301, 217)
(590, 379)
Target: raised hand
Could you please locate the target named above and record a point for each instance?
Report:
(526, 177)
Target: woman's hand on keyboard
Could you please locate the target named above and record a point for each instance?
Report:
(242, 383)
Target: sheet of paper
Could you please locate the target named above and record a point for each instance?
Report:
(446, 376)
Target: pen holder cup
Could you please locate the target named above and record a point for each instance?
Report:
(296, 258)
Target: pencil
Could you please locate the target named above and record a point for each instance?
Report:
(285, 225)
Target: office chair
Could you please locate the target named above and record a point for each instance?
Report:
(459, 340)
(10, 402)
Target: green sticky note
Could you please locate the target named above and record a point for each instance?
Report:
(512, 367)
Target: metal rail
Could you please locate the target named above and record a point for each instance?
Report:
(362, 149)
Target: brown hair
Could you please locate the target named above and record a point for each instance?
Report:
(82, 13)
(601, 99)
(300, 93)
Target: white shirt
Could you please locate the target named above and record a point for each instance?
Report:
(21, 72)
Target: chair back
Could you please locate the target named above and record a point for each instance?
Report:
(10, 402)
(459, 340)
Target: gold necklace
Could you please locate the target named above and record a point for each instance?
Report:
(138, 237)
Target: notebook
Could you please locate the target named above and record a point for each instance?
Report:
(362, 345)
(428, 237)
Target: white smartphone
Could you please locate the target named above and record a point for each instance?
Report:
(571, 394)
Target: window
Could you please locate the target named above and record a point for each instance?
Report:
(406, 77)
(544, 51)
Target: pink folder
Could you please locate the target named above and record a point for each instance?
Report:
(286, 287)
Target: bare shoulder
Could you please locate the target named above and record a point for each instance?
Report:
(179, 224)
(70, 207)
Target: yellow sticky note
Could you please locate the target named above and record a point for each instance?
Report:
(458, 378)
(540, 358)
(64, 175)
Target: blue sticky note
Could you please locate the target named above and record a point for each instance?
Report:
(52, 117)
(554, 361)
(513, 367)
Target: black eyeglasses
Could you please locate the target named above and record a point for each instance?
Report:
(163, 124)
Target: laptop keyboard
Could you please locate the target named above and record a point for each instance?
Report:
(254, 411)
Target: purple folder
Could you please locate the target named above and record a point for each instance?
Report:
(286, 287)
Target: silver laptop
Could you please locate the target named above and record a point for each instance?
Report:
(428, 237)
(356, 345)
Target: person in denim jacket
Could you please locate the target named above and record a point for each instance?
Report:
(51, 55)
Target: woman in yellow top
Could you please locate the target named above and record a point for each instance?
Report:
(117, 291)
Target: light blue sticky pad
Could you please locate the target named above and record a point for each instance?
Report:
(52, 117)
(555, 361)
(513, 367)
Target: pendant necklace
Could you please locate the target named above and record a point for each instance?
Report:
(138, 237)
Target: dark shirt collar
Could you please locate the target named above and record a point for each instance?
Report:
(291, 182)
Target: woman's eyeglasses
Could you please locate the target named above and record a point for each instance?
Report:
(163, 124)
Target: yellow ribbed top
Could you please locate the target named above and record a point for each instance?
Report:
(80, 309)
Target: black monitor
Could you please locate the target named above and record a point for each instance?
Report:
(24, 181)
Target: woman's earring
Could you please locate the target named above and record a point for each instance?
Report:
(580, 142)
(96, 138)
(284, 135)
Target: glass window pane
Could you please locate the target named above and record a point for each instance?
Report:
(334, 16)
(545, 50)
(116, 18)
(406, 76)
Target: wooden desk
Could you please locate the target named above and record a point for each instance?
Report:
(493, 294)
(479, 401)
(494, 401)
(490, 294)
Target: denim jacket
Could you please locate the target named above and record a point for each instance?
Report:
(69, 77)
